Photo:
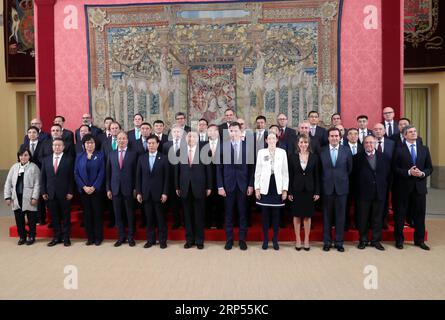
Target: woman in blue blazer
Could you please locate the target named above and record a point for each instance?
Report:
(89, 173)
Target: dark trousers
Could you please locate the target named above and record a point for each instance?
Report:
(155, 211)
(417, 206)
(214, 210)
(121, 202)
(334, 206)
(175, 204)
(370, 211)
(240, 198)
(194, 211)
(270, 213)
(351, 218)
(93, 215)
(41, 210)
(20, 222)
(60, 210)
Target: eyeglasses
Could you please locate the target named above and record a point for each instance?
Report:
(281, 119)
(389, 112)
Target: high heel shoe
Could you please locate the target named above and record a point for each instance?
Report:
(297, 248)
(307, 248)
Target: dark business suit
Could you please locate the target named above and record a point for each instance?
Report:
(68, 136)
(193, 180)
(132, 135)
(107, 148)
(351, 203)
(47, 149)
(42, 137)
(399, 141)
(121, 182)
(335, 186)
(139, 147)
(389, 147)
(57, 185)
(235, 176)
(367, 133)
(288, 139)
(372, 186)
(151, 184)
(92, 204)
(214, 203)
(411, 191)
(260, 144)
(223, 127)
(162, 140)
(320, 135)
(395, 128)
(95, 132)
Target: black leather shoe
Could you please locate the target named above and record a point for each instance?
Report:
(361, 245)
(131, 242)
(340, 248)
(21, 242)
(67, 243)
(98, 242)
(89, 243)
(276, 246)
(265, 245)
(243, 245)
(54, 242)
(326, 247)
(118, 243)
(30, 241)
(229, 245)
(148, 244)
(187, 245)
(163, 245)
(200, 246)
(423, 246)
(378, 246)
(307, 248)
(399, 245)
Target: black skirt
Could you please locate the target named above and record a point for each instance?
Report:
(303, 205)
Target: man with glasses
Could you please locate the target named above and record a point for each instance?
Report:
(229, 117)
(391, 126)
(180, 121)
(42, 135)
(287, 136)
(315, 131)
(88, 120)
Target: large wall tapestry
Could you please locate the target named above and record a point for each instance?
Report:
(201, 58)
(18, 29)
(424, 35)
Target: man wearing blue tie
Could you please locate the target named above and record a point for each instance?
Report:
(412, 166)
(336, 161)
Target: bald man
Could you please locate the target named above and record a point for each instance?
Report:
(36, 122)
(391, 126)
(88, 120)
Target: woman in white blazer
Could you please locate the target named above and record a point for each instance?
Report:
(21, 191)
(271, 185)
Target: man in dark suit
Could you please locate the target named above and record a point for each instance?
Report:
(193, 183)
(100, 138)
(372, 168)
(398, 138)
(67, 135)
(57, 188)
(88, 120)
(203, 125)
(180, 121)
(229, 117)
(158, 128)
(260, 134)
(214, 203)
(351, 203)
(304, 129)
(170, 149)
(83, 130)
(47, 145)
(152, 188)
(362, 125)
(412, 165)
(286, 135)
(120, 186)
(336, 161)
(135, 134)
(235, 182)
(141, 145)
(390, 125)
(316, 132)
(386, 146)
(42, 135)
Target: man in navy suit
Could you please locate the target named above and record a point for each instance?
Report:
(152, 188)
(158, 130)
(412, 165)
(390, 125)
(42, 135)
(83, 130)
(193, 183)
(135, 134)
(141, 145)
(67, 135)
(372, 168)
(229, 117)
(47, 145)
(363, 131)
(120, 184)
(316, 132)
(57, 188)
(286, 135)
(336, 161)
(235, 182)
(88, 120)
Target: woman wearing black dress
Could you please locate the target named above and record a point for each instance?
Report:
(304, 187)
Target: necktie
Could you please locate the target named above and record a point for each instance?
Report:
(138, 133)
(379, 148)
(152, 161)
(236, 152)
(363, 136)
(312, 131)
(121, 158)
(334, 156)
(190, 157)
(56, 164)
(281, 134)
(114, 144)
(213, 147)
(413, 154)
(260, 135)
(176, 145)
(33, 148)
(354, 150)
(389, 129)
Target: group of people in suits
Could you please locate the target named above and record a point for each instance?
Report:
(212, 173)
